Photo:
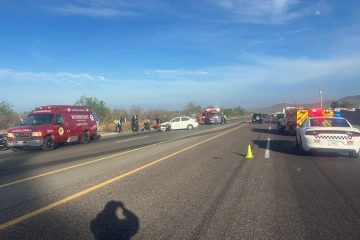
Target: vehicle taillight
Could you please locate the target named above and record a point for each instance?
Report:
(354, 134)
(311, 133)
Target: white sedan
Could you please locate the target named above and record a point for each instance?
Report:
(182, 122)
(329, 134)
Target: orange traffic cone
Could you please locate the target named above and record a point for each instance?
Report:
(249, 154)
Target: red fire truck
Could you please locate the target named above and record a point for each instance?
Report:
(210, 116)
(47, 126)
(295, 116)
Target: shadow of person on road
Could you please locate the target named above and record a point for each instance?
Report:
(107, 224)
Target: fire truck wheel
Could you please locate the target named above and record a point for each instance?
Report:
(190, 127)
(49, 143)
(85, 138)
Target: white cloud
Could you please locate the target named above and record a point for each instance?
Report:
(317, 12)
(269, 69)
(43, 77)
(95, 8)
(175, 73)
(92, 11)
(266, 11)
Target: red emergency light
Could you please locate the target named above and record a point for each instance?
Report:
(315, 112)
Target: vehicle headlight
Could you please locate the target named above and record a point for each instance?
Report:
(36, 134)
(10, 135)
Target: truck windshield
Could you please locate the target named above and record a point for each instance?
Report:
(38, 119)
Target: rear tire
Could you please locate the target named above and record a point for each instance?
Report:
(297, 142)
(190, 127)
(16, 149)
(302, 150)
(49, 143)
(353, 154)
(85, 138)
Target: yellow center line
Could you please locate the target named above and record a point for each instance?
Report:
(103, 184)
(89, 162)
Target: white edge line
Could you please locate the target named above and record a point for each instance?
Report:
(267, 151)
(126, 140)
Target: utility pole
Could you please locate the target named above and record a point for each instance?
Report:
(321, 98)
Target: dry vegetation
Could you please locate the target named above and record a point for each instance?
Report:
(9, 118)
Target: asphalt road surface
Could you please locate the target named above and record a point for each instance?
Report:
(180, 185)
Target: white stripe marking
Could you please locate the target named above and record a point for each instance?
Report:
(267, 151)
(126, 140)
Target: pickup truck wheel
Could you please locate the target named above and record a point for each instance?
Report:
(49, 143)
(190, 127)
(85, 138)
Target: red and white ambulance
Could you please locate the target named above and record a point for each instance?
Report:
(47, 126)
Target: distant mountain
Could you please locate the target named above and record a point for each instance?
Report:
(351, 99)
(279, 107)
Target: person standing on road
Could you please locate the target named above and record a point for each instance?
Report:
(136, 123)
(157, 119)
(224, 119)
(120, 125)
(116, 122)
(133, 123)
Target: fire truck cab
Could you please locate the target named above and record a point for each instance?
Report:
(210, 116)
(47, 126)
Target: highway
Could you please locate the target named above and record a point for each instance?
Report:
(180, 185)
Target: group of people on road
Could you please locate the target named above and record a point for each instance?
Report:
(135, 124)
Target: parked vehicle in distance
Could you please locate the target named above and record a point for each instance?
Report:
(210, 116)
(182, 122)
(333, 134)
(257, 118)
(3, 142)
(47, 126)
(279, 116)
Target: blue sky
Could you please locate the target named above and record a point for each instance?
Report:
(159, 53)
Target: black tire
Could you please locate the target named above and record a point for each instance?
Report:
(85, 138)
(48, 144)
(301, 149)
(297, 142)
(16, 149)
(190, 127)
(353, 154)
